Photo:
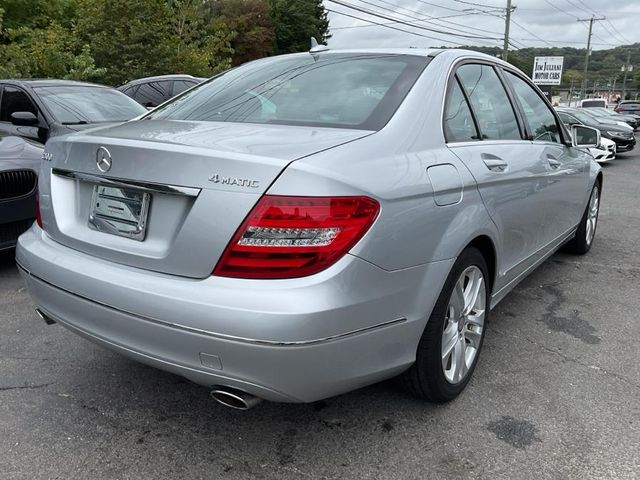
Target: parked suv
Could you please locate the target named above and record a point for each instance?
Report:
(152, 91)
(307, 224)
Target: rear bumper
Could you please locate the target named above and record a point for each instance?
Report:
(294, 341)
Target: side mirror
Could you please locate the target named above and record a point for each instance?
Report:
(24, 119)
(585, 137)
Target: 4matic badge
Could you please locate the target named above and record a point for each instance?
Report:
(240, 182)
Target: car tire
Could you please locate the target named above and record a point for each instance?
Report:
(586, 232)
(433, 376)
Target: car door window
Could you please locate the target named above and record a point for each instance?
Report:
(489, 101)
(153, 94)
(15, 100)
(180, 86)
(542, 122)
(458, 121)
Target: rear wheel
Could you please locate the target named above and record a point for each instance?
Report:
(581, 243)
(450, 345)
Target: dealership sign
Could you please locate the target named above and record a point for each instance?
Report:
(547, 70)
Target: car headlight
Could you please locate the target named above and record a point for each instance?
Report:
(616, 134)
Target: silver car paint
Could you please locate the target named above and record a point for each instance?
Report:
(302, 339)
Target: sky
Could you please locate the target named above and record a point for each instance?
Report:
(534, 23)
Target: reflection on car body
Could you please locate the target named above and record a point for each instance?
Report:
(399, 195)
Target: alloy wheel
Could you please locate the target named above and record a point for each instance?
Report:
(462, 332)
(592, 215)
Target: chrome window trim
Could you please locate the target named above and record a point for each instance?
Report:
(122, 183)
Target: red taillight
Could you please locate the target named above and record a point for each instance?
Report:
(288, 237)
(38, 216)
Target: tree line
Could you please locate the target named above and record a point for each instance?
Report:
(114, 41)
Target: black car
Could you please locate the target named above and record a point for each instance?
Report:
(39, 109)
(152, 91)
(611, 116)
(19, 165)
(623, 136)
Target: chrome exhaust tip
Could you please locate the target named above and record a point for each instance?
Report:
(232, 398)
(47, 319)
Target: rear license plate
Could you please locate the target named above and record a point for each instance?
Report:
(119, 211)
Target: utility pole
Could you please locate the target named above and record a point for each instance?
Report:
(507, 22)
(586, 58)
(627, 68)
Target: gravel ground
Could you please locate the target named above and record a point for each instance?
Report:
(556, 393)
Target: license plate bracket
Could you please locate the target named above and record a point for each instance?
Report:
(119, 211)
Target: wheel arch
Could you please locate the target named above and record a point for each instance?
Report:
(485, 245)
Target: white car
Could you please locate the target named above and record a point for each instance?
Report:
(605, 152)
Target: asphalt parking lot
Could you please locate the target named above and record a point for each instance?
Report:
(556, 393)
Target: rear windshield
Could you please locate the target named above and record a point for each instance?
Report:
(593, 103)
(328, 90)
(78, 104)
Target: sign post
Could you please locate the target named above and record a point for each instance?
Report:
(547, 71)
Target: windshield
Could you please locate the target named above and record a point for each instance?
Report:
(77, 104)
(580, 115)
(602, 111)
(332, 90)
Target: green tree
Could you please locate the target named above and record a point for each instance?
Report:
(249, 23)
(295, 22)
(37, 39)
(138, 38)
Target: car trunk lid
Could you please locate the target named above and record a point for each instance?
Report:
(199, 180)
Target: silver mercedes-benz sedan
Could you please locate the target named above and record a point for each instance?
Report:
(304, 225)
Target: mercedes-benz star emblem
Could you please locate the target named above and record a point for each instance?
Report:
(103, 160)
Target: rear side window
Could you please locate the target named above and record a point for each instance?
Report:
(180, 86)
(15, 100)
(327, 90)
(153, 94)
(542, 122)
(458, 121)
(490, 103)
(131, 91)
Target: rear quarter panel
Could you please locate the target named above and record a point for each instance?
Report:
(391, 166)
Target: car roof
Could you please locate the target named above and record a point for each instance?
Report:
(49, 82)
(176, 76)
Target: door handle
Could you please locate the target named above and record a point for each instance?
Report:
(553, 163)
(493, 163)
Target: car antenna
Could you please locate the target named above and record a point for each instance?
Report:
(316, 47)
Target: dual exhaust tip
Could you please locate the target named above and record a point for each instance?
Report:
(227, 396)
(233, 398)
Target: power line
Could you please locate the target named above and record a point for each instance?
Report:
(533, 34)
(421, 27)
(389, 25)
(423, 20)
